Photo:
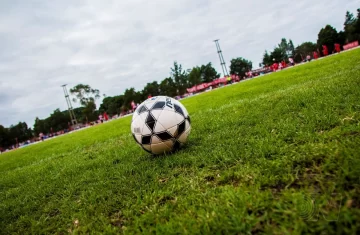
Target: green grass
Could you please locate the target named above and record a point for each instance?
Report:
(260, 151)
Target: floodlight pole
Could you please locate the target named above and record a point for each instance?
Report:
(70, 108)
(222, 61)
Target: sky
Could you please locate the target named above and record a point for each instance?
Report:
(113, 45)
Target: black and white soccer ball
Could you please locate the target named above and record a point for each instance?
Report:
(160, 125)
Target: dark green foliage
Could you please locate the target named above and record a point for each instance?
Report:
(56, 122)
(267, 60)
(180, 77)
(208, 73)
(131, 95)
(240, 66)
(204, 73)
(350, 31)
(112, 105)
(304, 49)
(282, 52)
(152, 89)
(327, 36)
(84, 94)
(195, 76)
(168, 87)
(14, 134)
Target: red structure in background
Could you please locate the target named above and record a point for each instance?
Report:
(213, 84)
(106, 117)
(325, 50)
(315, 55)
(275, 66)
(337, 47)
(351, 45)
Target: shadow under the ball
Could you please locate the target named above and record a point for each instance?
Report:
(184, 149)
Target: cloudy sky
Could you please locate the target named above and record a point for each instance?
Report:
(117, 44)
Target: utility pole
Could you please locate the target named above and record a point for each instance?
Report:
(70, 108)
(222, 61)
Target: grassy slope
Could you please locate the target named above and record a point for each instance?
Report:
(258, 153)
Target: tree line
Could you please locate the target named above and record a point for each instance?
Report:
(175, 85)
(327, 36)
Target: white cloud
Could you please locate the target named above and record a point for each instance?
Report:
(113, 45)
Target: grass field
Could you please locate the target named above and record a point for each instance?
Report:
(278, 154)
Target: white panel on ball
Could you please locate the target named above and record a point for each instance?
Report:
(169, 119)
(156, 113)
(137, 125)
(138, 138)
(146, 130)
(159, 127)
(143, 116)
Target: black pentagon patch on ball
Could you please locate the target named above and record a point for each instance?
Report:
(178, 109)
(150, 121)
(164, 136)
(181, 128)
(142, 109)
(159, 105)
(146, 139)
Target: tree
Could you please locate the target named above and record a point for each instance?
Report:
(202, 74)
(112, 105)
(327, 36)
(87, 96)
(168, 87)
(342, 38)
(4, 138)
(290, 49)
(89, 112)
(240, 66)
(152, 89)
(304, 49)
(180, 77)
(58, 121)
(357, 24)
(39, 126)
(350, 27)
(283, 51)
(79, 114)
(195, 76)
(278, 55)
(267, 60)
(19, 133)
(129, 96)
(208, 73)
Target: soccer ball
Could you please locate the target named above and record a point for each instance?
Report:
(160, 125)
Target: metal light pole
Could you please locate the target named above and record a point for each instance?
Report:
(222, 61)
(70, 108)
